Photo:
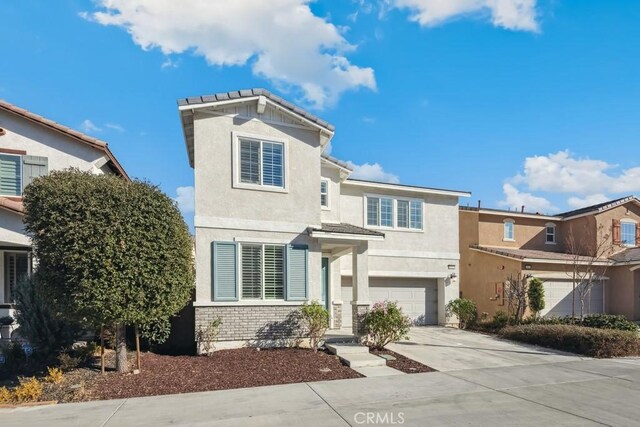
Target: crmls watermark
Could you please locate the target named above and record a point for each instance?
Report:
(379, 418)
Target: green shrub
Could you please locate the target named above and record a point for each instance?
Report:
(609, 321)
(316, 319)
(500, 319)
(535, 295)
(465, 309)
(68, 362)
(591, 342)
(206, 336)
(385, 323)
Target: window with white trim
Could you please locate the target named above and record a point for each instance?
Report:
(394, 212)
(628, 233)
(509, 229)
(16, 269)
(262, 271)
(10, 175)
(261, 162)
(324, 193)
(550, 233)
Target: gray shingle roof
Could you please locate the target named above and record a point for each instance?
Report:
(627, 255)
(247, 93)
(336, 161)
(523, 254)
(599, 207)
(343, 228)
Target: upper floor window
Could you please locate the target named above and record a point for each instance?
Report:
(550, 233)
(259, 163)
(628, 233)
(394, 213)
(509, 230)
(324, 193)
(10, 175)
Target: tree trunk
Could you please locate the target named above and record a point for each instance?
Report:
(138, 363)
(121, 349)
(102, 349)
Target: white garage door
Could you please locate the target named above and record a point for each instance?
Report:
(417, 297)
(558, 299)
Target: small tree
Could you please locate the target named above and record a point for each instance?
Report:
(110, 252)
(515, 292)
(464, 309)
(535, 295)
(316, 319)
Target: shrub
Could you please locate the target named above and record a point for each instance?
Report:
(86, 353)
(500, 319)
(28, 391)
(385, 323)
(5, 395)
(68, 362)
(535, 294)
(54, 375)
(465, 309)
(609, 321)
(316, 318)
(591, 342)
(207, 335)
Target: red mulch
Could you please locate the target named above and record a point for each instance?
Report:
(225, 369)
(404, 364)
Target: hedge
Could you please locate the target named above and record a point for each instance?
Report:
(591, 342)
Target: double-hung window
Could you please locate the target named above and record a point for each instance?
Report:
(509, 230)
(10, 175)
(324, 193)
(550, 233)
(261, 162)
(262, 271)
(628, 233)
(394, 213)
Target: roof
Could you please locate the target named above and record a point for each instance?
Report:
(337, 162)
(600, 207)
(531, 254)
(627, 255)
(343, 228)
(11, 205)
(415, 188)
(508, 212)
(67, 131)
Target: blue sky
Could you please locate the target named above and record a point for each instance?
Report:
(519, 101)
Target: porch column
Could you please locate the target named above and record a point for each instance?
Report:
(360, 301)
(335, 292)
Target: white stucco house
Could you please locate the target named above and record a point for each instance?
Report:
(278, 222)
(31, 146)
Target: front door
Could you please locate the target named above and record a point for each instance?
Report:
(325, 282)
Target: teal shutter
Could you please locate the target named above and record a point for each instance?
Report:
(10, 180)
(224, 273)
(33, 167)
(297, 281)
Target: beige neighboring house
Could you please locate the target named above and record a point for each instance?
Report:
(495, 244)
(31, 146)
(279, 223)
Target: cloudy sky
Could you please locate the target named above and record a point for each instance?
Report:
(522, 102)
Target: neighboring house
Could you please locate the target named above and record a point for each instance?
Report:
(495, 244)
(279, 223)
(31, 146)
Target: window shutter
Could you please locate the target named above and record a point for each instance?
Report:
(33, 167)
(297, 282)
(10, 184)
(615, 232)
(637, 235)
(224, 272)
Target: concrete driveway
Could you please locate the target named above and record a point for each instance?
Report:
(449, 349)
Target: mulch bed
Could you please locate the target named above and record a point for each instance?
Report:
(404, 364)
(225, 369)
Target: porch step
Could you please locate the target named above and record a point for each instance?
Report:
(362, 360)
(344, 348)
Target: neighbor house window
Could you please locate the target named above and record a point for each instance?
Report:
(262, 163)
(16, 269)
(262, 271)
(10, 175)
(324, 193)
(550, 233)
(628, 233)
(394, 213)
(509, 229)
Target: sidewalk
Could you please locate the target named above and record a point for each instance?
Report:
(581, 393)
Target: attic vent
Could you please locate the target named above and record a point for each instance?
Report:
(2, 131)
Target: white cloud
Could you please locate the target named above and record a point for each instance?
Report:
(515, 199)
(185, 197)
(510, 14)
(372, 172)
(593, 199)
(89, 127)
(114, 126)
(282, 40)
(169, 63)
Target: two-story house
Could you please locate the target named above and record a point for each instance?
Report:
(279, 223)
(498, 244)
(31, 146)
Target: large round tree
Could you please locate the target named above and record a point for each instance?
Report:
(110, 252)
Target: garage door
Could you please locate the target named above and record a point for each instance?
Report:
(558, 299)
(417, 297)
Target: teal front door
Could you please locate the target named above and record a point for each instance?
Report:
(325, 282)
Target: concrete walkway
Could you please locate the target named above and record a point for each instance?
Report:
(580, 393)
(449, 349)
